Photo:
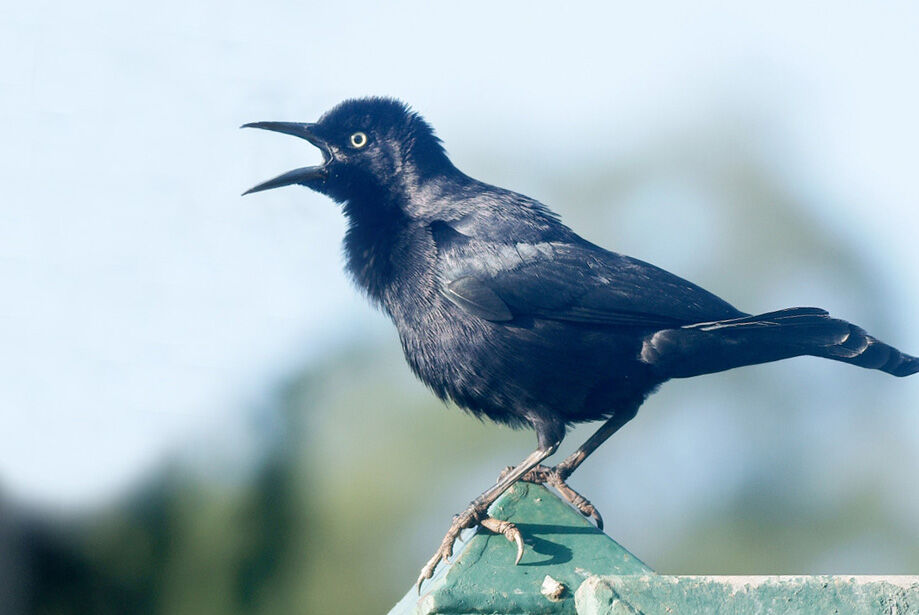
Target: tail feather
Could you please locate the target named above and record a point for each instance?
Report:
(859, 348)
(710, 347)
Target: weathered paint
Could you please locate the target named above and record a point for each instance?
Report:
(560, 543)
(741, 595)
(602, 578)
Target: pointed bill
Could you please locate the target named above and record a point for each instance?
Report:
(303, 175)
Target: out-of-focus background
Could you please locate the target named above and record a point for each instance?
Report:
(198, 414)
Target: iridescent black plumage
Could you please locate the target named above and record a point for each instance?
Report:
(506, 311)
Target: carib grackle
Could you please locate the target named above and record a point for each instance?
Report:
(507, 312)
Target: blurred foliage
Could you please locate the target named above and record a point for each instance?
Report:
(327, 515)
(765, 470)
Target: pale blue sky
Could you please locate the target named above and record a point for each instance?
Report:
(145, 302)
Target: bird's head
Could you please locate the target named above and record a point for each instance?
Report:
(371, 147)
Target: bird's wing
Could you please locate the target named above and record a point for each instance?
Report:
(571, 281)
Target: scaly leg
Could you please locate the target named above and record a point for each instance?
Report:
(475, 513)
(556, 476)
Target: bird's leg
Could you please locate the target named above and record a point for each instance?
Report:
(557, 476)
(476, 513)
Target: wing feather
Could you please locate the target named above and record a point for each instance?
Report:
(572, 281)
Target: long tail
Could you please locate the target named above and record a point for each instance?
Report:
(710, 347)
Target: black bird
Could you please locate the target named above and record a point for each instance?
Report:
(506, 311)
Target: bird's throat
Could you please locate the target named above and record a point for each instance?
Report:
(375, 230)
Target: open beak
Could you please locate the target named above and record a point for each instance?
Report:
(302, 175)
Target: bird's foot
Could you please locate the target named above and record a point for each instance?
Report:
(555, 477)
(472, 516)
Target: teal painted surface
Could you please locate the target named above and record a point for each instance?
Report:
(602, 578)
(560, 543)
(667, 595)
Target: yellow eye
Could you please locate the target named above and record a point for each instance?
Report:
(358, 140)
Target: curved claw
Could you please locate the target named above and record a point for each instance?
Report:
(445, 550)
(581, 503)
(421, 579)
(555, 477)
(443, 554)
(595, 515)
(508, 530)
(474, 515)
(425, 575)
(519, 540)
